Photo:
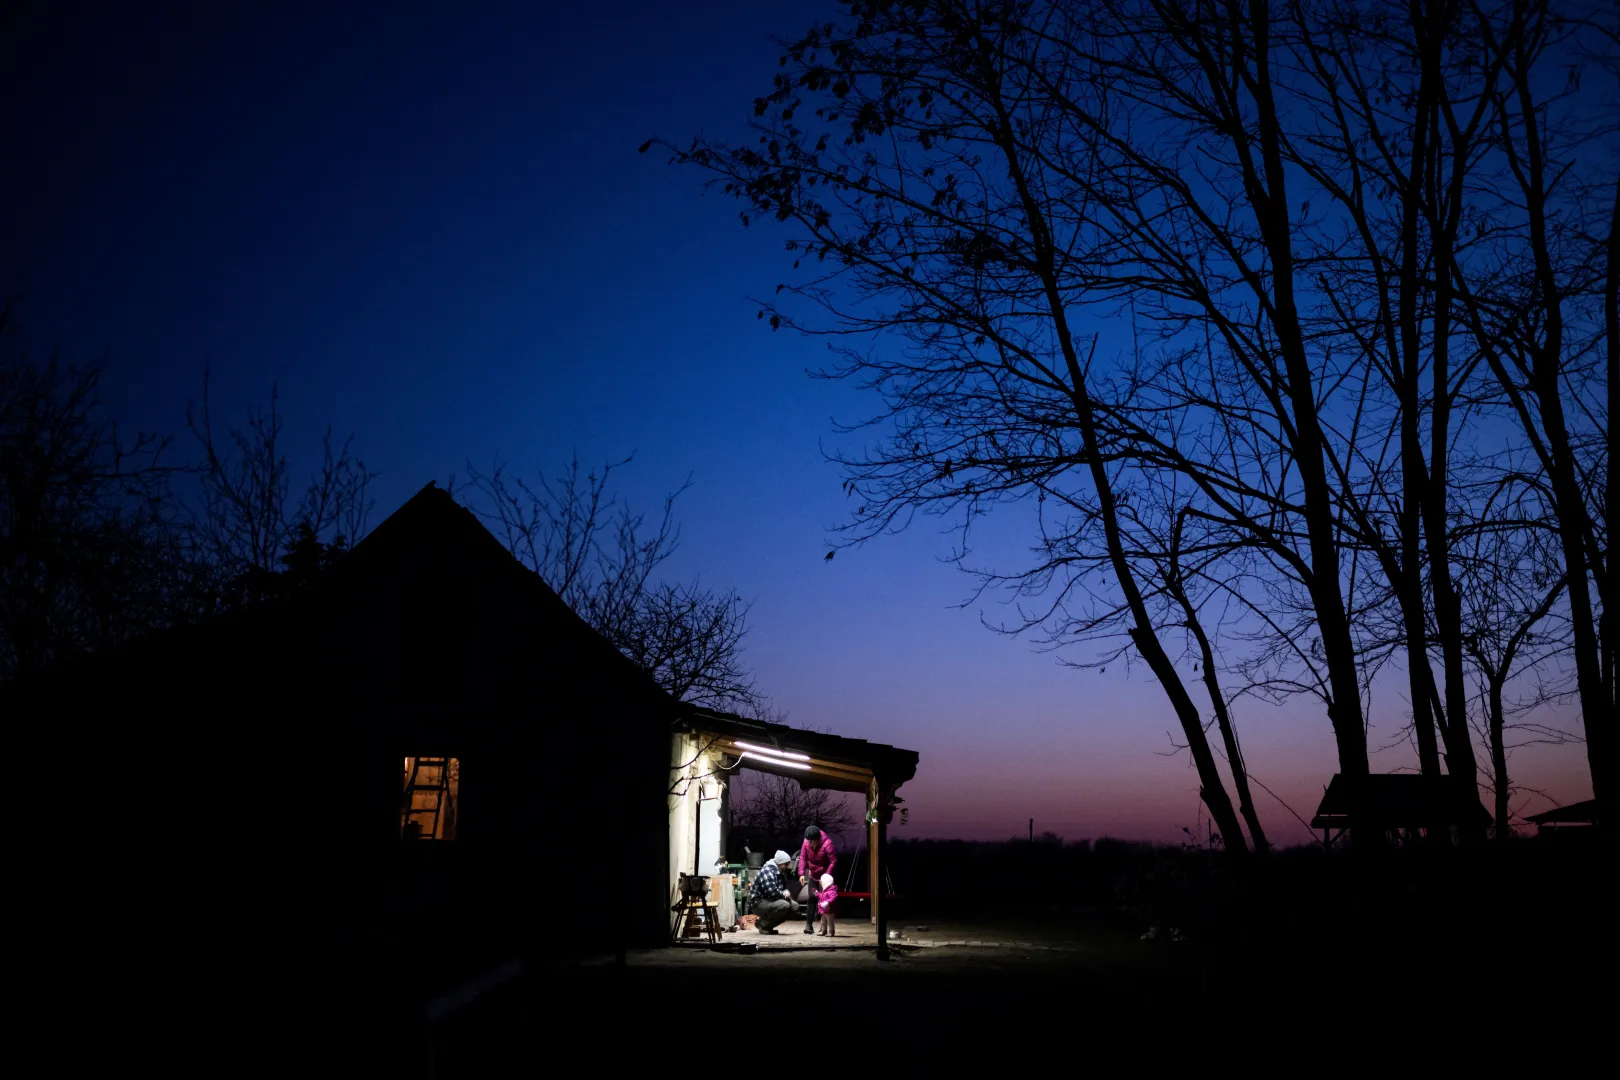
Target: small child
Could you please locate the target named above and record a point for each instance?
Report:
(824, 904)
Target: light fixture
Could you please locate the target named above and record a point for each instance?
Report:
(768, 750)
(778, 761)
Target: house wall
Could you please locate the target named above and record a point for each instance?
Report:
(563, 769)
(698, 788)
(711, 829)
(266, 850)
(682, 799)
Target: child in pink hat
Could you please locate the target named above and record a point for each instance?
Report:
(824, 904)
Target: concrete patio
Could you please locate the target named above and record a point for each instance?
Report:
(860, 934)
(855, 934)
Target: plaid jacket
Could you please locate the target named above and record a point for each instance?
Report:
(768, 885)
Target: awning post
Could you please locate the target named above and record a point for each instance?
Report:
(882, 814)
(872, 866)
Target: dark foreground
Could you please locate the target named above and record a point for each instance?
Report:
(1484, 955)
(1465, 962)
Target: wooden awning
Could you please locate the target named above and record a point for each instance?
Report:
(814, 758)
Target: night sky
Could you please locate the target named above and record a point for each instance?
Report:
(430, 225)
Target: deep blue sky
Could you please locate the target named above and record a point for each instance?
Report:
(430, 225)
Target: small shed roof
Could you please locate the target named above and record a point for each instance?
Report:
(814, 758)
(1392, 801)
(1580, 813)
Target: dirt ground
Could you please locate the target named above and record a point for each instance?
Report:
(1018, 973)
(692, 1000)
(1086, 980)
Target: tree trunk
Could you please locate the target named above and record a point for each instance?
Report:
(1414, 475)
(1597, 713)
(1447, 605)
(1574, 525)
(1268, 194)
(1211, 787)
(1498, 757)
(1545, 425)
(1223, 718)
(1608, 627)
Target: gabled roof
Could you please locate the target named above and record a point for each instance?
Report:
(1392, 801)
(1580, 813)
(830, 761)
(430, 523)
(433, 514)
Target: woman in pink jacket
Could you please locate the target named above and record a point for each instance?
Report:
(816, 857)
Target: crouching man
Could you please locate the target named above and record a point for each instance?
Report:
(772, 902)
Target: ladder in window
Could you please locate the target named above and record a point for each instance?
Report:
(427, 795)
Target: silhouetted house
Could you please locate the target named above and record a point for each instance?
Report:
(1577, 821)
(1395, 805)
(231, 798)
(420, 766)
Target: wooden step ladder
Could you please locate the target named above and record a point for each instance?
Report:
(429, 780)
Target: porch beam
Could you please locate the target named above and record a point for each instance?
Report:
(884, 806)
(872, 867)
(839, 769)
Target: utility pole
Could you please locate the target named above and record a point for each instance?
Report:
(1032, 830)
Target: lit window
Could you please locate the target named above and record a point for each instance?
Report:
(431, 794)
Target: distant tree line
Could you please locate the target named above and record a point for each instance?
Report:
(1291, 326)
(773, 811)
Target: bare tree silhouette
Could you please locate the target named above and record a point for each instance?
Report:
(256, 534)
(603, 559)
(1510, 584)
(1324, 227)
(779, 808)
(88, 552)
(1542, 312)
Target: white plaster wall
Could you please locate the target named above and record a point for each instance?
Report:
(689, 780)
